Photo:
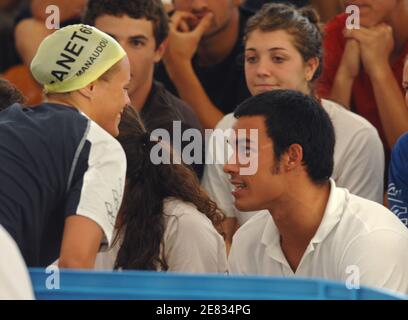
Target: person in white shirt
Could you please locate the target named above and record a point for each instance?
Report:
(15, 282)
(311, 228)
(283, 49)
(166, 222)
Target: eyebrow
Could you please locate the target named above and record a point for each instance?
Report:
(271, 49)
(132, 38)
(138, 37)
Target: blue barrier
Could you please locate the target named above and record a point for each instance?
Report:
(176, 286)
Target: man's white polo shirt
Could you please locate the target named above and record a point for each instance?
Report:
(354, 232)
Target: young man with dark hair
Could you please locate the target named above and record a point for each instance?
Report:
(203, 62)
(141, 27)
(9, 94)
(312, 228)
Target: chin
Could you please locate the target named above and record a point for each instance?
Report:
(366, 22)
(113, 131)
(246, 206)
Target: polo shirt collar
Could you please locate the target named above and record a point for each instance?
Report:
(334, 210)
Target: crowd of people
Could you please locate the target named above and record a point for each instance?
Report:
(282, 139)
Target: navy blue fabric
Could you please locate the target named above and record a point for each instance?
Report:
(398, 180)
(37, 150)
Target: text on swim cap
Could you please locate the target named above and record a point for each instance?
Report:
(70, 53)
(89, 62)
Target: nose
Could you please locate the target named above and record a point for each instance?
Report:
(231, 167)
(127, 99)
(199, 5)
(264, 68)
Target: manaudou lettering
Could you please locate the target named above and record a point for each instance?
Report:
(93, 57)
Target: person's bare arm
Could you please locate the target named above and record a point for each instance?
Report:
(68, 8)
(80, 243)
(376, 45)
(29, 33)
(182, 46)
(391, 105)
(346, 73)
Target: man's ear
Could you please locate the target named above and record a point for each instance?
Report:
(88, 91)
(158, 55)
(293, 157)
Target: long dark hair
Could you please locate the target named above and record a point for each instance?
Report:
(141, 220)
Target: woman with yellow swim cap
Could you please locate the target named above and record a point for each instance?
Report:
(63, 173)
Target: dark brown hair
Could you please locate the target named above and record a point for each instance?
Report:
(9, 94)
(141, 221)
(301, 24)
(152, 10)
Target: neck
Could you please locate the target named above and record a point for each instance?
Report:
(60, 99)
(139, 96)
(73, 101)
(216, 48)
(299, 214)
(399, 23)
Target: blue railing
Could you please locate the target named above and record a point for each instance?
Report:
(175, 286)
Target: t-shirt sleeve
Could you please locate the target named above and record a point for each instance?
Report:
(398, 180)
(362, 167)
(99, 171)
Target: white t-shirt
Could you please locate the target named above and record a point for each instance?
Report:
(358, 161)
(15, 282)
(357, 237)
(191, 242)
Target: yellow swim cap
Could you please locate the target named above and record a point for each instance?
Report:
(73, 57)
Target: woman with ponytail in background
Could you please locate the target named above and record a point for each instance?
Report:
(166, 222)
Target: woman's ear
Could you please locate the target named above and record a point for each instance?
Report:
(88, 91)
(311, 67)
